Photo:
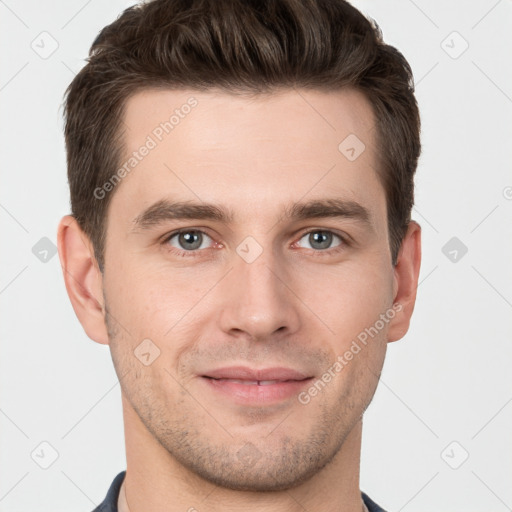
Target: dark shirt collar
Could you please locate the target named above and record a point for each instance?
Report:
(109, 504)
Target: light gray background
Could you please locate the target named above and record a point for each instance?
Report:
(447, 381)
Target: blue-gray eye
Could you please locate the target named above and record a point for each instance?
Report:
(320, 239)
(189, 240)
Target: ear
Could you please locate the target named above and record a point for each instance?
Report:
(84, 281)
(405, 280)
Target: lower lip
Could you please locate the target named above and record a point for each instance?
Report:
(257, 394)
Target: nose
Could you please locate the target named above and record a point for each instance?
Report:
(258, 299)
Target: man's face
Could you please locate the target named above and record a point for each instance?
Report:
(262, 290)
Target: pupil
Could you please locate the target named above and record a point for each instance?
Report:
(190, 239)
(321, 238)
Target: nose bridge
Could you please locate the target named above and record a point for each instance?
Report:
(256, 296)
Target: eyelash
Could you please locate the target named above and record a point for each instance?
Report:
(197, 252)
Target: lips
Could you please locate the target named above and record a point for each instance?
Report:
(253, 382)
(260, 377)
(255, 387)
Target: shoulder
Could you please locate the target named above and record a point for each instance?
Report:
(370, 504)
(109, 504)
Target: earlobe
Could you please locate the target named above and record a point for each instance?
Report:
(82, 277)
(406, 276)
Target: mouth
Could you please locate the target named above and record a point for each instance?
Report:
(248, 386)
(254, 382)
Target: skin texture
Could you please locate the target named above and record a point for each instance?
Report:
(295, 305)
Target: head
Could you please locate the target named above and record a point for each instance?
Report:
(192, 116)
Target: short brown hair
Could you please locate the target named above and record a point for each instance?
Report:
(252, 46)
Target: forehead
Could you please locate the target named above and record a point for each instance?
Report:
(206, 118)
(247, 152)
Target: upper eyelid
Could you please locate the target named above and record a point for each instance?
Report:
(169, 235)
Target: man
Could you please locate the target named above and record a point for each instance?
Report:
(241, 179)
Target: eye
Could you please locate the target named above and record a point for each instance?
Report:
(320, 240)
(187, 240)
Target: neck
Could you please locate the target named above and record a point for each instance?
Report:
(156, 482)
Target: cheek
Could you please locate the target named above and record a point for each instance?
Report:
(162, 306)
(349, 298)
(133, 303)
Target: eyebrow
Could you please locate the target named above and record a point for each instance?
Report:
(165, 209)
